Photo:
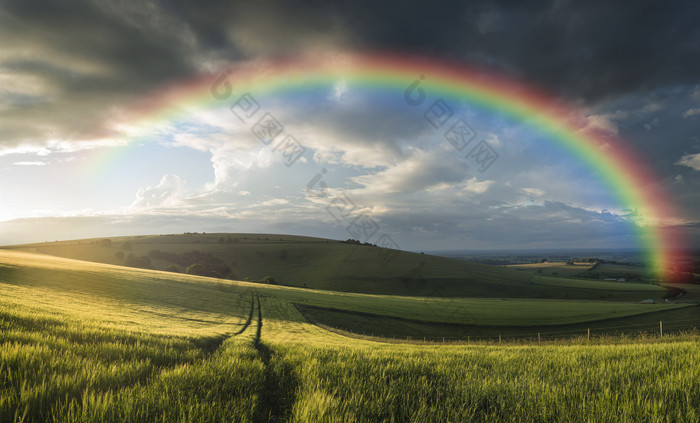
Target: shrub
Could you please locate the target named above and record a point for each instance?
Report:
(196, 269)
(143, 262)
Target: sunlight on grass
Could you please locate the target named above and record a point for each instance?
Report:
(99, 343)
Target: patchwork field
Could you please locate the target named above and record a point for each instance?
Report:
(86, 341)
(336, 266)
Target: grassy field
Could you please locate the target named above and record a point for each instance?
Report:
(85, 341)
(586, 270)
(692, 292)
(574, 284)
(396, 329)
(330, 265)
(618, 271)
(553, 268)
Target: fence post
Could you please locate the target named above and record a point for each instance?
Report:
(538, 338)
(443, 339)
(499, 338)
(468, 339)
(589, 334)
(661, 328)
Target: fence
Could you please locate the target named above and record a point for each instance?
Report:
(659, 329)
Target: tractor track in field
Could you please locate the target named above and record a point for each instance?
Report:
(279, 385)
(250, 316)
(211, 345)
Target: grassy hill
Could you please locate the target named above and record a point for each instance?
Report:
(332, 265)
(85, 341)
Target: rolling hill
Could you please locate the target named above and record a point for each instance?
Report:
(335, 266)
(96, 342)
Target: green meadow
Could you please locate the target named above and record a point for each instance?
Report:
(86, 338)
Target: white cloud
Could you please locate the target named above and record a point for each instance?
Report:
(339, 90)
(230, 153)
(534, 191)
(691, 112)
(272, 202)
(696, 94)
(652, 107)
(494, 141)
(25, 149)
(690, 160)
(604, 122)
(328, 157)
(654, 122)
(420, 171)
(60, 146)
(166, 193)
(37, 163)
(475, 186)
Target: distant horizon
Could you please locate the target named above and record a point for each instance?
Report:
(536, 251)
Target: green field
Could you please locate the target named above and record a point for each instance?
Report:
(86, 341)
(553, 268)
(618, 271)
(330, 265)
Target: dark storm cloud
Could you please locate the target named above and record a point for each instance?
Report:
(75, 61)
(589, 50)
(109, 52)
(138, 53)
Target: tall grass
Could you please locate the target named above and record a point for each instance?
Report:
(635, 382)
(62, 370)
(102, 347)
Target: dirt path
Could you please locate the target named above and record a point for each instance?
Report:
(280, 382)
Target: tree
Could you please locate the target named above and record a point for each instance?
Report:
(143, 261)
(196, 269)
(268, 280)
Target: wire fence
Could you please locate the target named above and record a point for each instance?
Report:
(642, 330)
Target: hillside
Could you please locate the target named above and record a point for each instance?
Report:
(332, 265)
(93, 342)
(215, 304)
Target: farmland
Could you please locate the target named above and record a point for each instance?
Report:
(96, 341)
(331, 265)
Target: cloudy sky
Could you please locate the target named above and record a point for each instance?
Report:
(72, 164)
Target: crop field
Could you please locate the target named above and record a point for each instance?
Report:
(330, 265)
(85, 341)
(553, 268)
(601, 285)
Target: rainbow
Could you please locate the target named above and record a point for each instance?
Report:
(628, 177)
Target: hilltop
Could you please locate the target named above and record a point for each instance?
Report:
(334, 265)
